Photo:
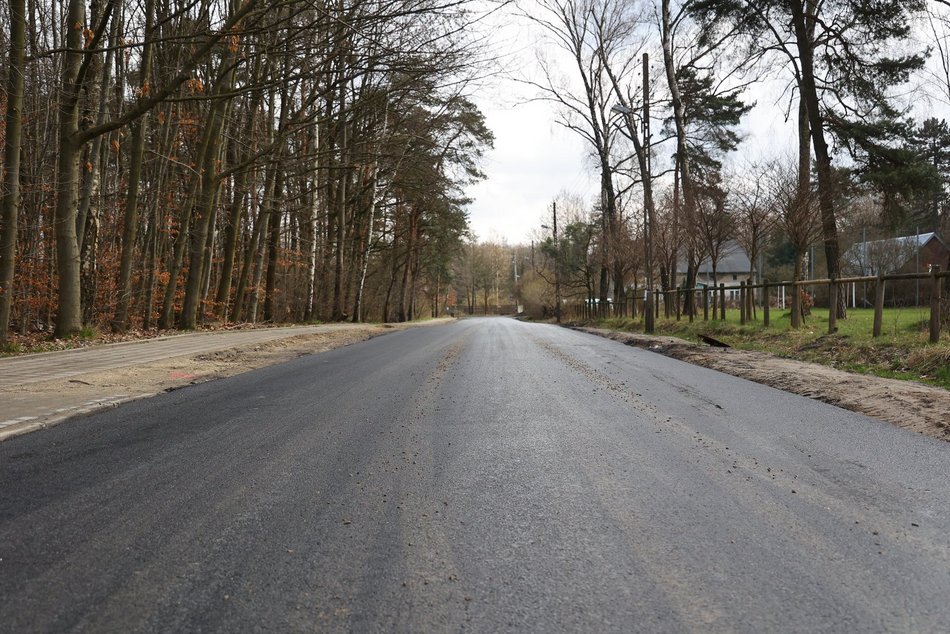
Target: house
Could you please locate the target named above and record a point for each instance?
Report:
(906, 254)
(732, 268)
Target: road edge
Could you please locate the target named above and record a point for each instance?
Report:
(47, 421)
(912, 417)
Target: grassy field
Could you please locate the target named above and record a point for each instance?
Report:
(902, 351)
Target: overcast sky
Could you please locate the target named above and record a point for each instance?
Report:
(535, 159)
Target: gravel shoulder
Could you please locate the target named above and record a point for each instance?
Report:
(913, 406)
(37, 405)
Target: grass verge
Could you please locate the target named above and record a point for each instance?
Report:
(901, 352)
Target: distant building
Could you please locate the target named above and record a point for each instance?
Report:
(906, 254)
(732, 268)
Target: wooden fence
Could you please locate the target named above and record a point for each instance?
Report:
(710, 299)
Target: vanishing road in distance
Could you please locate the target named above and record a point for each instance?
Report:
(488, 475)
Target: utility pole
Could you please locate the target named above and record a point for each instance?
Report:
(644, 159)
(557, 266)
(648, 317)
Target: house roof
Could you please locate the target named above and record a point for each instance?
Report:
(903, 241)
(733, 259)
(902, 248)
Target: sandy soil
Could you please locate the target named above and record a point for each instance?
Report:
(63, 398)
(910, 405)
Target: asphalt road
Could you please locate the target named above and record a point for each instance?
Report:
(487, 475)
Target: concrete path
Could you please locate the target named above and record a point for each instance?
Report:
(25, 409)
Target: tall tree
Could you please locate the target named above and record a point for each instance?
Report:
(754, 216)
(136, 159)
(844, 56)
(931, 145)
(590, 32)
(797, 214)
(704, 112)
(10, 192)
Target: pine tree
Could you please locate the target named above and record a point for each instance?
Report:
(844, 57)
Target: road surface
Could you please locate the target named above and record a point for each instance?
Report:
(484, 476)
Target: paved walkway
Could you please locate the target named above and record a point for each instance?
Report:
(25, 410)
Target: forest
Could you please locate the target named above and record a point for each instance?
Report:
(171, 163)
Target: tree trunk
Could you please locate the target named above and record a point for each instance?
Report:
(403, 312)
(98, 94)
(797, 311)
(273, 250)
(156, 244)
(231, 233)
(682, 158)
(210, 182)
(260, 220)
(136, 156)
(69, 313)
(343, 176)
(313, 224)
(826, 203)
(89, 266)
(268, 207)
(167, 318)
(10, 191)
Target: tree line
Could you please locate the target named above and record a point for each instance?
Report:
(170, 162)
(659, 89)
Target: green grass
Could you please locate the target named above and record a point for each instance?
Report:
(87, 333)
(10, 347)
(902, 351)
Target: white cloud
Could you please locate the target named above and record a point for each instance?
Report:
(533, 160)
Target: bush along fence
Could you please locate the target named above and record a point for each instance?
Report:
(712, 301)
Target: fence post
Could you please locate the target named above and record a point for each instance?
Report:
(878, 305)
(765, 303)
(934, 304)
(832, 306)
(677, 300)
(751, 301)
(722, 301)
(742, 302)
(705, 303)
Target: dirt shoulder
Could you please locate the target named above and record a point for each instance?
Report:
(910, 405)
(919, 408)
(47, 403)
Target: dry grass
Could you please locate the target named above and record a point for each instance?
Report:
(901, 352)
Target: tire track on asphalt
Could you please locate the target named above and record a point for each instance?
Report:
(430, 594)
(761, 488)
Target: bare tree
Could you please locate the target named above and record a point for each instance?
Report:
(714, 226)
(797, 215)
(589, 32)
(10, 187)
(754, 217)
